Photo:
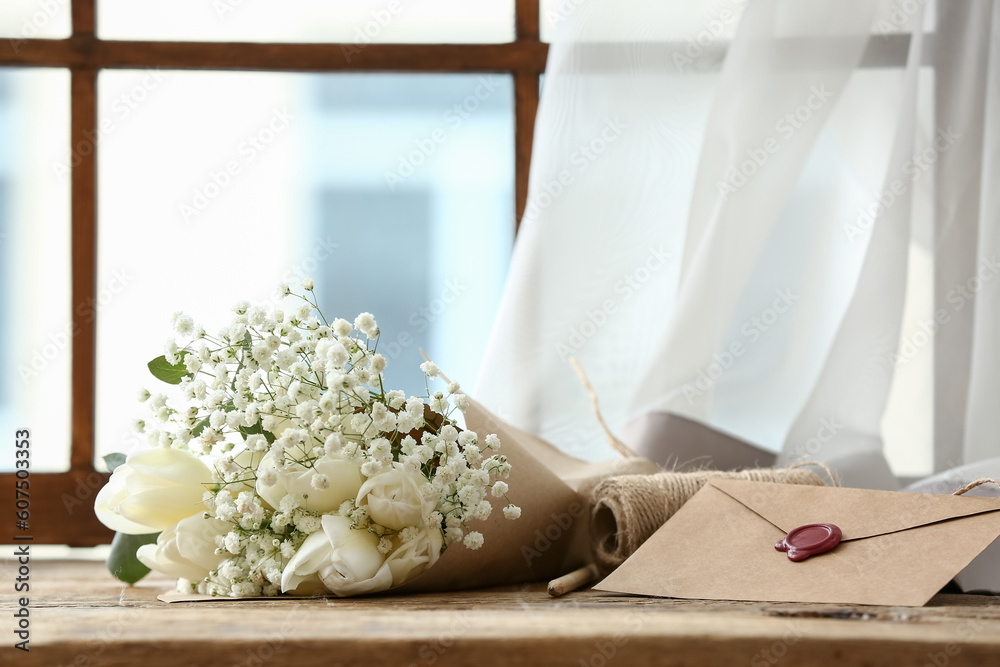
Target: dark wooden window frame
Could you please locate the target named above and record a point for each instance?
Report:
(62, 503)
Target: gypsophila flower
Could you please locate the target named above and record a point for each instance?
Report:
(482, 510)
(512, 512)
(371, 468)
(365, 323)
(473, 540)
(290, 416)
(342, 328)
(267, 477)
(307, 523)
(184, 325)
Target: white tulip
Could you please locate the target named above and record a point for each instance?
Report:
(343, 479)
(153, 490)
(187, 550)
(411, 559)
(347, 561)
(394, 498)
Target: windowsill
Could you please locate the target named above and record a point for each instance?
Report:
(77, 609)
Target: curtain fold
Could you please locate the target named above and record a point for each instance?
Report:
(739, 215)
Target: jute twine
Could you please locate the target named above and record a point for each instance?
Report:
(628, 509)
(979, 482)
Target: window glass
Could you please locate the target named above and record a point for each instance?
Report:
(33, 19)
(357, 22)
(395, 192)
(35, 325)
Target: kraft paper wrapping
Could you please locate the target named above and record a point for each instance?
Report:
(552, 535)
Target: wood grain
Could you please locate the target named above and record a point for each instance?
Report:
(85, 51)
(79, 613)
(83, 232)
(525, 108)
(62, 509)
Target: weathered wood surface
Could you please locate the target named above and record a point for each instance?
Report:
(81, 616)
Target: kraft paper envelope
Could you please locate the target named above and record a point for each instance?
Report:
(897, 549)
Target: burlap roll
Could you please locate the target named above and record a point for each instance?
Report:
(628, 509)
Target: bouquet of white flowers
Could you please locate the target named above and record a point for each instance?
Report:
(284, 466)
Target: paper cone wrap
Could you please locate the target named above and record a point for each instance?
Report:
(552, 535)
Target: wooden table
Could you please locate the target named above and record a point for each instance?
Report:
(80, 616)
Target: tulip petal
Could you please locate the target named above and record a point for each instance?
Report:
(158, 508)
(106, 508)
(166, 463)
(312, 555)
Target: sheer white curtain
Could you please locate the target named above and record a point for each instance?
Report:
(732, 208)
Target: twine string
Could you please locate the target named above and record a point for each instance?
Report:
(979, 482)
(623, 450)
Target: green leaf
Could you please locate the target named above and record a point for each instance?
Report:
(169, 373)
(122, 561)
(113, 460)
(257, 429)
(199, 427)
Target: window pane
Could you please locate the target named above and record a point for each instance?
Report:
(395, 192)
(28, 19)
(35, 324)
(356, 22)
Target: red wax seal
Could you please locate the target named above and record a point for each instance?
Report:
(809, 540)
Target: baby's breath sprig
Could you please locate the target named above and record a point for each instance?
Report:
(290, 409)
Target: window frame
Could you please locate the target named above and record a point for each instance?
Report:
(62, 503)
